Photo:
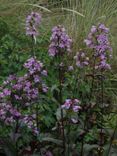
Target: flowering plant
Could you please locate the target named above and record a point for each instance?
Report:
(59, 106)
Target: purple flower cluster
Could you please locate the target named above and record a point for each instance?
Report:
(98, 40)
(6, 92)
(60, 41)
(19, 92)
(35, 73)
(8, 113)
(26, 88)
(71, 104)
(29, 121)
(81, 59)
(70, 68)
(32, 22)
(103, 65)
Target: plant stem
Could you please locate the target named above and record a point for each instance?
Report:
(62, 122)
(32, 47)
(101, 133)
(36, 108)
(15, 140)
(69, 127)
(111, 140)
(61, 101)
(37, 122)
(82, 147)
(75, 84)
(90, 97)
(93, 78)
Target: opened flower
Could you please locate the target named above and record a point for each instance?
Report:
(32, 22)
(60, 41)
(71, 104)
(98, 41)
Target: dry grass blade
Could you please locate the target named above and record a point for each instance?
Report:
(34, 5)
(74, 11)
(41, 7)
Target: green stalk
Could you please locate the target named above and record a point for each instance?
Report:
(36, 107)
(90, 97)
(61, 101)
(101, 133)
(111, 140)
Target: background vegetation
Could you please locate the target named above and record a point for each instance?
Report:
(77, 16)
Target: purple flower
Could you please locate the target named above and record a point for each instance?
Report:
(32, 22)
(15, 113)
(44, 88)
(17, 86)
(36, 78)
(6, 92)
(8, 113)
(30, 122)
(33, 65)
(44, 73)
(103, 65)
(34, 93)
(60, 41)
(23, 91)
(103, 28)
(71, 104)
(74, 120)
(1, 95)
(67, 104)
(70, 68)
(2, 113)
(76, 108)
(88, 42)
(81, 59)
(99, 42)
(93, 29)
(18, 97)
(9, 120)
(48, 153)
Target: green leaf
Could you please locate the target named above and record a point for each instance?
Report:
(55, 141)
(58, 113)
(88, 147)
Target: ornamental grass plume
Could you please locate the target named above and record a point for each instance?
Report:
(60, 41)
